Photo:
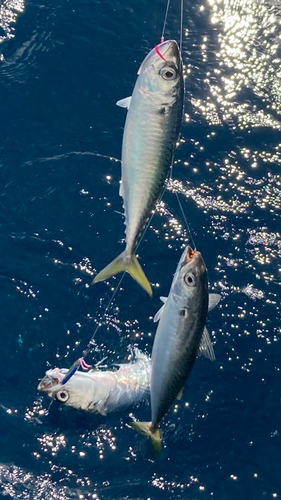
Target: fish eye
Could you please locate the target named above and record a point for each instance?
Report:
(62, 395)
(189, 279)
(168, 73)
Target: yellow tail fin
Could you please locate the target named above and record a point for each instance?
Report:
(123, 263)
(144, 428)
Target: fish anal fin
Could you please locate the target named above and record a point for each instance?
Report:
(214, 299)
(206, 347)
(154, 436)
(123, 263)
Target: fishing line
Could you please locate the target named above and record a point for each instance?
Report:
(181, 27)
(80, 362)
(165, 20)
(171, 175)
(186, 223)
(182, 211)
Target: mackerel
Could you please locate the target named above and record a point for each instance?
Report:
(180, 336)
(151, 131)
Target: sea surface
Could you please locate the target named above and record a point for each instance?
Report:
(63, 66)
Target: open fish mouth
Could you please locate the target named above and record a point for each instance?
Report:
(48, 383)
(188, 256)
(190, 253)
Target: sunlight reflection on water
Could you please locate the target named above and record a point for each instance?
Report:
(225, 173)
(9, 11)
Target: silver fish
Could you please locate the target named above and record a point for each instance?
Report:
(150, 134)
(101, 391)
(180, 335)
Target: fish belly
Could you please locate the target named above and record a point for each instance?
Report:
(147, 153)
(173, 356)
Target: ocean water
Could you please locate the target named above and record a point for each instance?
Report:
(63, 65)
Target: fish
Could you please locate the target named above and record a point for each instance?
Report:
(101, 391)
(151, 131)
(181, 334)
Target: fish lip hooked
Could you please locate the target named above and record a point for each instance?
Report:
(170, 45)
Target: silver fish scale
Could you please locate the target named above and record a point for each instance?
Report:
(146, 182)
(133, 381)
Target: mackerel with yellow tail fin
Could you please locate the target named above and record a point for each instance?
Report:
(151, 131)
(123, 263)
(180, 336)
(153, 435)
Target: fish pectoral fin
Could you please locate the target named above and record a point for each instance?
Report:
(100, 410)
(124, 103)
(154, 436)
(179, 396)
(123, 263)
(214, 299)
(206, 347)
(159, 313)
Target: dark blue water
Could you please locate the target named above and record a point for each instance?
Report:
(63, 67)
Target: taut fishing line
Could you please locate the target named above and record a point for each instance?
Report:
(165, 20)
(81, 362)
(171, 175)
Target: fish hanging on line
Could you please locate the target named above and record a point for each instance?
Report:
(151, 131)
(180, 336)
(100, 391)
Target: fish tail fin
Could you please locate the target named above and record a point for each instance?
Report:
(154, 436)
(125, 263)
(135, 270)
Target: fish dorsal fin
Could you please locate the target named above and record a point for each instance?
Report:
(214, 299)
(158, 314)
(124, 103)
(206, 347)
(179, 396)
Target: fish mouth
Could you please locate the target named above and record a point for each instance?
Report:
(188, 256)
(165, 50)
(48, 383)
(168, 49)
